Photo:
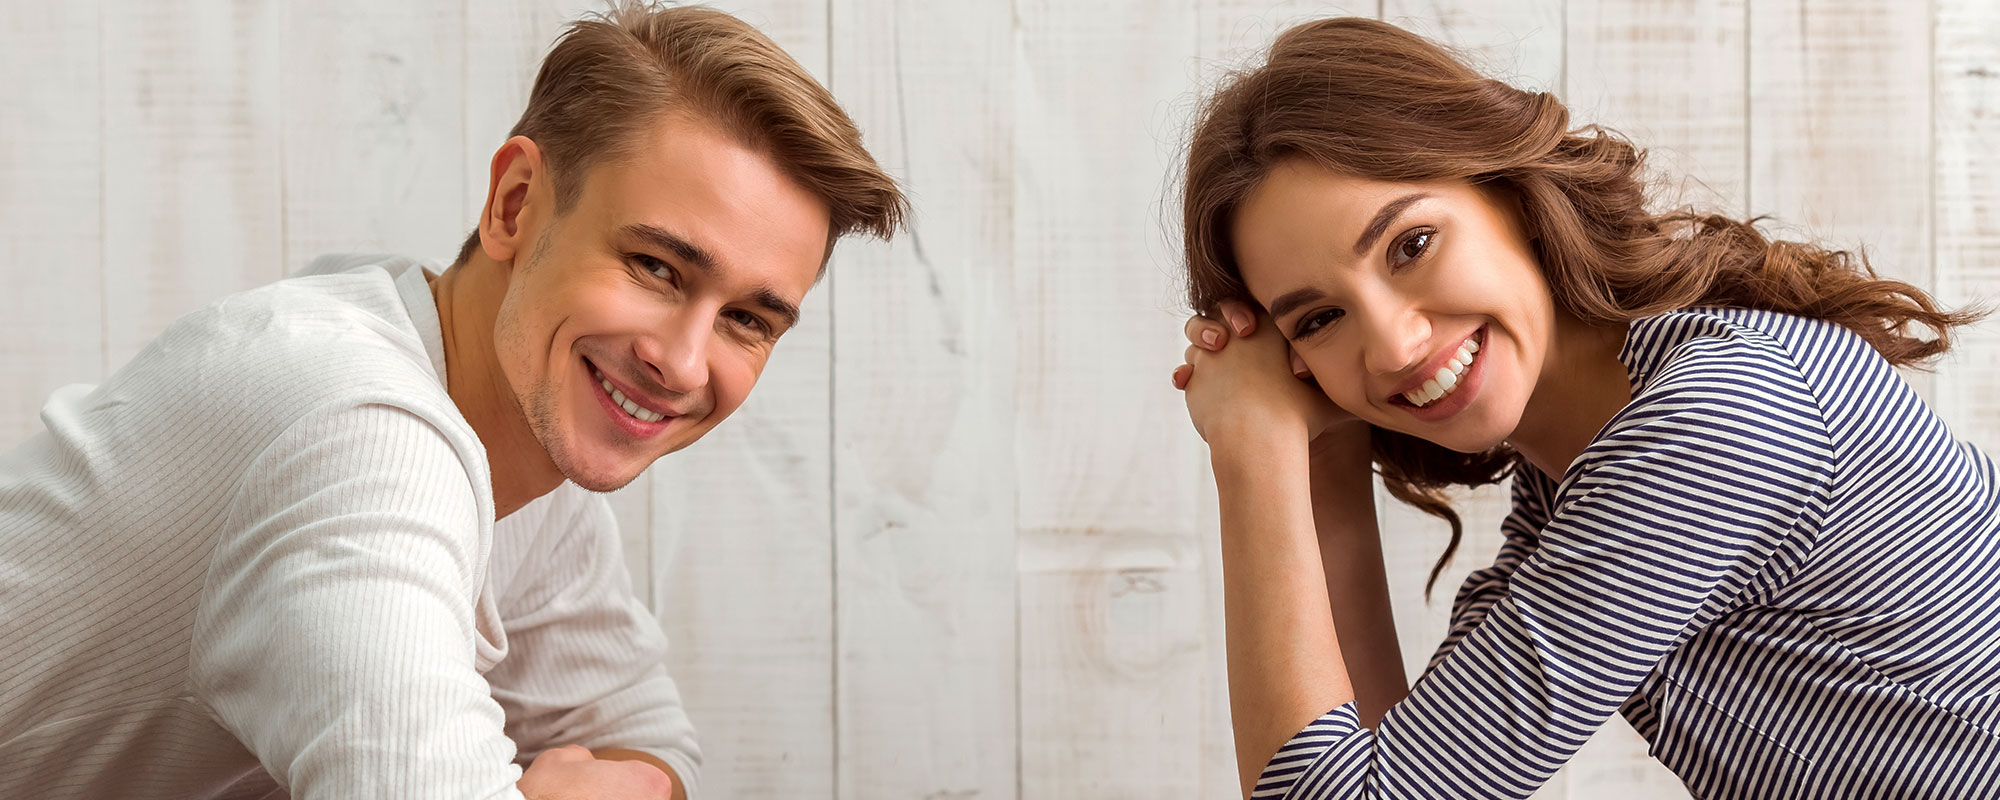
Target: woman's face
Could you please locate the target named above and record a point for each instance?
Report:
(1380, 287)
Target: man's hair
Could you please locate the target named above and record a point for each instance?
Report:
(611, 76)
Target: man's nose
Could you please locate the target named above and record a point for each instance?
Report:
(677, 355)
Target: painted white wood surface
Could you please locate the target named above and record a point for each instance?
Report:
(923, 408)
(960, 543)
(1966, 75)
(1112, 631)
(51, 208)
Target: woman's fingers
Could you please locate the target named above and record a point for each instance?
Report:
(1242, 320)
(1181, 375)
(1206, 333)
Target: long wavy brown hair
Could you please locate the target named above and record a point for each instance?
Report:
(1368, 99)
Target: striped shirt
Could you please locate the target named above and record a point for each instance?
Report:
(1776, 562)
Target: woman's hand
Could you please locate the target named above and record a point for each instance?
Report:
(1257, 387)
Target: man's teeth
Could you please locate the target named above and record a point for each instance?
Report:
(1446, 378)
(626, 403)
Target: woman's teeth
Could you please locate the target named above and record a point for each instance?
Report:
(1446, 378)
(626, 403)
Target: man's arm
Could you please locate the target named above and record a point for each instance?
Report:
(586, 662)
(615, 754)
(336, 634)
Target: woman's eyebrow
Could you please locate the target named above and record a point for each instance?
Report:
(1382, 219)
(1293, 299)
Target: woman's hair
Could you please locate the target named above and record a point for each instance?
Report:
(611, 76)
(1367, 99)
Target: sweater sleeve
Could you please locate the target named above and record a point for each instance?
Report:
(1702, 494)
(338, 631)
(586, 661)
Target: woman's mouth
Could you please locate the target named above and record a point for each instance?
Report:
(1451, 385)
(1442, 384)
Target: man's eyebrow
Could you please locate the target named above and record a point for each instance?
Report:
(1381, 222)
(1291, 300)
(705, 261)
(777, 305)
(674, 243)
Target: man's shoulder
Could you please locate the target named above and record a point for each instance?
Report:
(344, 332)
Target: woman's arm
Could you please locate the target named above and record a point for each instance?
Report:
(1284, 657)
(1350, 545)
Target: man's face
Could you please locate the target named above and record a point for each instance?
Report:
(640, 318)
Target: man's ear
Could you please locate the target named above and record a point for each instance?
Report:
(517, 177)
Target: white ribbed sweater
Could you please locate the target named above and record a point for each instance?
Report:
(261, 558)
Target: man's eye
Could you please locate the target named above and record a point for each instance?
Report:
(748, 320)
(660, 269)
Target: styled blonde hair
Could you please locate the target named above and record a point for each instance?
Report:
(611, 76)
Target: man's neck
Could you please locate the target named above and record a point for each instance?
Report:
(468, 305)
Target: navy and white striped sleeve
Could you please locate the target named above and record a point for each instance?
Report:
(1528, 512)
(1701, 494)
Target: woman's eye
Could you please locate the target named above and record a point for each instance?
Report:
(1315, 321)
(1411, 247)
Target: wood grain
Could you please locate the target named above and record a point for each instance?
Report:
(1112, 644)
(923, 411)
(51, 204)
(192, 199)
(1966, 74)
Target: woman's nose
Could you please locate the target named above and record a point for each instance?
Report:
(1396, 342)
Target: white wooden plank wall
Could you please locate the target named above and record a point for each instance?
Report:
(960, 543)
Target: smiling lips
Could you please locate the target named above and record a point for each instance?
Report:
(1441, 383)
(618, 398)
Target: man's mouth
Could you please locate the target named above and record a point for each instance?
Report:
(631, 407)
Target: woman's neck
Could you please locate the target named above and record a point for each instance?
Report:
(1582, 386)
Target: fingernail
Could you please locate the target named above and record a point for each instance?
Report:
(1239, 324)
(1208, 337)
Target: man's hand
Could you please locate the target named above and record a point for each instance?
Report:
(572, 773)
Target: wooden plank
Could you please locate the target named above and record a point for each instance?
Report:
(923, 400)
(1840, 139)
(374, 128)
(1113, 651)
(1519, 41)
(191, 173)
(1967, 170)
(742, 552)
(1693, 126)
(51, 228)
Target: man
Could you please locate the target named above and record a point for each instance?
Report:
(332, 538)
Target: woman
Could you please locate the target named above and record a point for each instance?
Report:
(1731, 521)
